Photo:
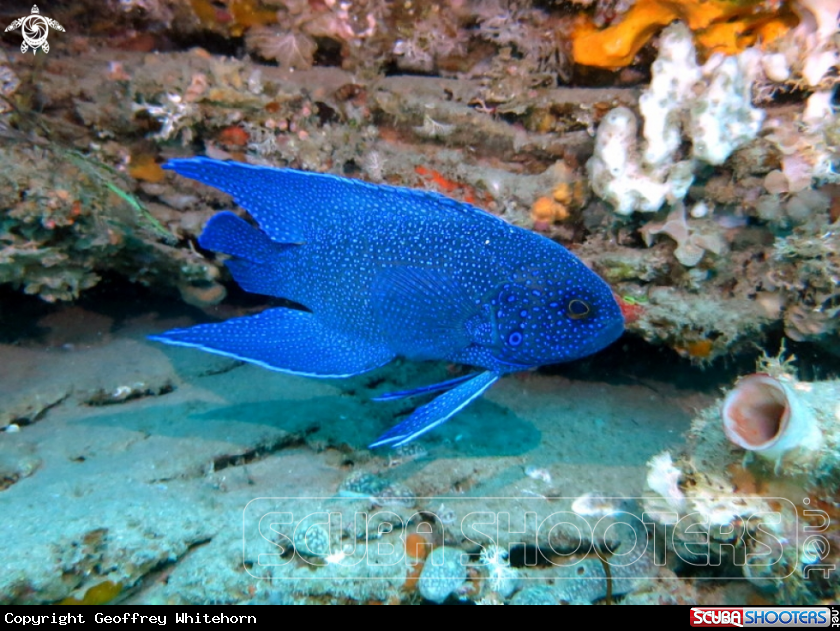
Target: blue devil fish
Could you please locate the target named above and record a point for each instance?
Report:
(387, 271)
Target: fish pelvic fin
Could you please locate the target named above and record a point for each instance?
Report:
(436, 387)
(437, 411)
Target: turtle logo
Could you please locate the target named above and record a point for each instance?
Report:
(35, 29)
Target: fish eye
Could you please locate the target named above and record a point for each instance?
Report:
(515, 338)
(578, 309)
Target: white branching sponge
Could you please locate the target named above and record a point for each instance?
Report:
(618, 174)
(722, 118)
(710, 104)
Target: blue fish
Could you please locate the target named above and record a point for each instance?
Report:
(386, 271)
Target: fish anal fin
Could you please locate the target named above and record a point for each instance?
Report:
(286, 340)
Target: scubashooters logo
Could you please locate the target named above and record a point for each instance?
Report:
(35, 29)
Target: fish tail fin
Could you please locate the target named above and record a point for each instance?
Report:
(279, 199)
(255, 257)
(229, 234)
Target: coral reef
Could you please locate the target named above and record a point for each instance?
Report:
(66, 227)
(502, 579)
(699, 178)
(490, 126)
(770, 518)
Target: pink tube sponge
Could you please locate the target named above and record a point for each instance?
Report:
(767, 416)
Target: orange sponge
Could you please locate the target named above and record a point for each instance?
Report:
(726, 26)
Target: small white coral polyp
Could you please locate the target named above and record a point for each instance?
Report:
(765, 415)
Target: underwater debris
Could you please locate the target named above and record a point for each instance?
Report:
(501, 577)
(595, 504)
(536, 595)
(538, 473)
(292, 37)
(692, 243)
(434, 129)
(291, 49)
(809, 150)
(99, 594)
(361, 484)
(443, 574)
(583, 581)
(806, 273)
(567, 197)
(405, 454)
(123, 393)
(175, 115)
(379, 491)
(663, 478)
(233, 17)
(313, 540)
(9, 83)
(16, 463)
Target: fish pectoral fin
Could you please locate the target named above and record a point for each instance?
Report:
(422, 311)
(437, 411)
(286, 340)
(435, 387)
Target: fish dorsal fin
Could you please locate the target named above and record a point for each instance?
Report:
(422, 311)
(286, 203)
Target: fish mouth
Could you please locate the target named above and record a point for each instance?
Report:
(606, 337)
